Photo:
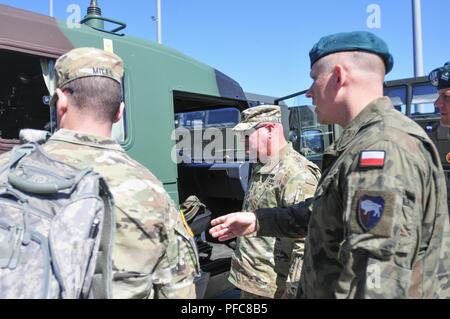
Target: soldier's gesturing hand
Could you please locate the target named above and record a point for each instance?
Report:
(233, 225)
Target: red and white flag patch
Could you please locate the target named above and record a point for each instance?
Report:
(372, 159)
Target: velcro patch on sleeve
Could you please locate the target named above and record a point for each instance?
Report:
(369, 159)
(373, 212)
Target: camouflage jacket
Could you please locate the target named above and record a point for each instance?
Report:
(260, 265)
(153, 256)
(378, 226)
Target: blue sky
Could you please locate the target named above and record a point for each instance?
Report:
(264, 44)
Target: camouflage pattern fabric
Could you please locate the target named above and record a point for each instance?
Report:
(248, 295)
(54, 220)
(153, 256)
(260, 265)
(295, 269)
(405, 253)
(251, 117)
(82, 62)
(86, 62)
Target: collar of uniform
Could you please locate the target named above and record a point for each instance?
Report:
(275, 160)
(74, 137)
(371, 113)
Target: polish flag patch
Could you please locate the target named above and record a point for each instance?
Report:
(372, 158)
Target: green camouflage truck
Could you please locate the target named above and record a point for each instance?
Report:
(164, 91)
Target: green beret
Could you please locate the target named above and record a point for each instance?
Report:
(440, 77)
(352, 41)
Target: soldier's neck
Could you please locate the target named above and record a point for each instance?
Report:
(274, 149)
(90, 127)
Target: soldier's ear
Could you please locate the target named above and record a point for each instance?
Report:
(62, 103)
(119, 112)
(340, 75)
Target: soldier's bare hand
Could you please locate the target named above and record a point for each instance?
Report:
(233, 225)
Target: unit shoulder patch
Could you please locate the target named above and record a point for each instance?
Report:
(370, 211)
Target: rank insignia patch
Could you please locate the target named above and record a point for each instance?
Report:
(371, 210)
(372, 159)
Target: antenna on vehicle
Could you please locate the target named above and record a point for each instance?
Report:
(95, 20)
(94, 11)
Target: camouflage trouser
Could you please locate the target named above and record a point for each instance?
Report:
(293, 280)
(249, 295)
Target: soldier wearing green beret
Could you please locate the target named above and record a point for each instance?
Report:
(440, 78)
(378, 225)
(267, 267)
(153, 256)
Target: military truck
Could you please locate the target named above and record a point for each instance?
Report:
(414, 97)
(308, 136)
(164, 91)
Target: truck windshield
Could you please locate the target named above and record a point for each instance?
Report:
(226, 117)
(307, 135)
(397, 94)
(420, 98)
(423, 98)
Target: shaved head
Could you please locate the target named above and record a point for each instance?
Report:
(344, 83)
(360, 64)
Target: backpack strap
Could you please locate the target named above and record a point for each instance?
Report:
(20, 152)
(102, 280)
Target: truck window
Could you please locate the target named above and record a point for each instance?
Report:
(397, 94)
(423, 97)
(312, 142)
(225, 117)
(22, 91)
(27, 83)
(307, 135)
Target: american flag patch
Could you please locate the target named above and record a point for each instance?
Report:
(372, 158)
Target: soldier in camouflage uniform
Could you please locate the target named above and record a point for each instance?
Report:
(260, 265)
(153, 256)
(440, 78)
(378, 226)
